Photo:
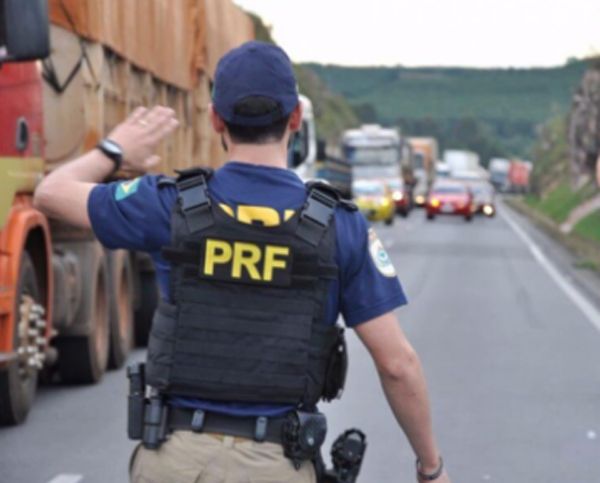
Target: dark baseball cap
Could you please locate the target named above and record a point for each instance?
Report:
(258, 70)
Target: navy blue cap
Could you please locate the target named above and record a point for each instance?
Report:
(254, 69)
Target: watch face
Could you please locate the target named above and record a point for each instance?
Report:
(112, 148)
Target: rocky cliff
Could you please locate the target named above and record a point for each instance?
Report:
(584, 125)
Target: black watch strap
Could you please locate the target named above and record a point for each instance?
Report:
(430, 476)
(112, 151)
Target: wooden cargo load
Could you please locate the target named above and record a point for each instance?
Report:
(110, 56)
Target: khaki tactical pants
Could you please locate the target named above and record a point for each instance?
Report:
(188, 457)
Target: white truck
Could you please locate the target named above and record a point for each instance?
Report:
(461, 161)
(499, 168)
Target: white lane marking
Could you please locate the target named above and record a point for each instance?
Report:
(64, 478)
(586, 307)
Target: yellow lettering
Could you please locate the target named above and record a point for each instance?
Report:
(271, 262)
(288, 214)
(253, 214)
(217, 252)
(246, 255)
(227, 209)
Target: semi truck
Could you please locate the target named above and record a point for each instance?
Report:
(510, 175)
(375, 152)
(70, 70)
(518, 176)
(460, 161)
(425, 153)
(498, 169)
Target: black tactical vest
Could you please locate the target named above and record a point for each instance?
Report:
(247, 320)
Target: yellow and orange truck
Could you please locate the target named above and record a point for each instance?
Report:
(425, 155)
(70, 70)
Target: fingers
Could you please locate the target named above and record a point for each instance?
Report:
(158, 116)
(137, 115)
(166, 129)
(151, 162)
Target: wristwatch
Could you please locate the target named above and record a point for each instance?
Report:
(112, 151)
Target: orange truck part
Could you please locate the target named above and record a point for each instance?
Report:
(22, 221)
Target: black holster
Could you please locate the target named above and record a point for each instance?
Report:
(146, 416)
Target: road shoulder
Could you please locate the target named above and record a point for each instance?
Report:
(566, 261)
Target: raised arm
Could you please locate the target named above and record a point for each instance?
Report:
(404, 385)
(64, 192)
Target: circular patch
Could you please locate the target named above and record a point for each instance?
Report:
(379, 255)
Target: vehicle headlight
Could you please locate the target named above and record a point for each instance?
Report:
(420, 199)
(488, 210)
(397, 196)
(435, 202)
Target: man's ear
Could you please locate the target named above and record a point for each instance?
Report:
(217, 121)
(296, 118)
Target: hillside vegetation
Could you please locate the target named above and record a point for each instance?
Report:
(494, 111)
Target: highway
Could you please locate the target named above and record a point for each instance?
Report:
(510, 347)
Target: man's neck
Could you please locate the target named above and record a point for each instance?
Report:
(273, 155)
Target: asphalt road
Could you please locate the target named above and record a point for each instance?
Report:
(513, 366)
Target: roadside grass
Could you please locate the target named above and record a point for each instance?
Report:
(589, 227)
(559, 202)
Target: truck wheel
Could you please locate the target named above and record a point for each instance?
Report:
(148, 293)
(121, 308)
(390, 221)
(468, 217)
(83, 359)
(430, 216)
(18, 382)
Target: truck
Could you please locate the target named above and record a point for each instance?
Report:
(510, 175)
(375, 152)
(499, 168)
(518, 176)
(69, 72)
(308, 156)
(460, 161)
(425, 153)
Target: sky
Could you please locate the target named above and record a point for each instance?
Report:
(473, 33)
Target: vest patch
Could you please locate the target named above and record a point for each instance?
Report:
(246, 262)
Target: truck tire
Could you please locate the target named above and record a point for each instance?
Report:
(82, 359)
(18, 382)
(121, 307)
(148, 300)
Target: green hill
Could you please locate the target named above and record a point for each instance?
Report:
(498, 110)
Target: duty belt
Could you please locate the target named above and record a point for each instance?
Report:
(257, 428)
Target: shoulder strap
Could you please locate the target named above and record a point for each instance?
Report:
(166, 181)
(193, 198)
(317, 212)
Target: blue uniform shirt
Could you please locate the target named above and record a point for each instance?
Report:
(136, 215)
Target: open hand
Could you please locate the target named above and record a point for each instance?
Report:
(141, 133)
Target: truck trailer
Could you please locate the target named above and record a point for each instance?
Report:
(425, 154)
(70, 70)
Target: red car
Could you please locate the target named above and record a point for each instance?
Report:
(450, 199)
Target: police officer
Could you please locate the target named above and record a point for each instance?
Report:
(254, 268)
